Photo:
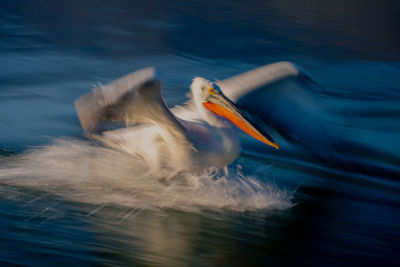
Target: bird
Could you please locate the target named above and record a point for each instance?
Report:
(130, 115)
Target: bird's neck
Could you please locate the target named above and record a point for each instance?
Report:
(205, 114)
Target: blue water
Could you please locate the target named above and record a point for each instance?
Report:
(329, 196)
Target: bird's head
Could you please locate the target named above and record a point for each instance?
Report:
(212, 103)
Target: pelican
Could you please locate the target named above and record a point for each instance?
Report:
(129, 114)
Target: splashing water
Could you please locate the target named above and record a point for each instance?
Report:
(85, 172)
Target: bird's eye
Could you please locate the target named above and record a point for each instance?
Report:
(211, 91)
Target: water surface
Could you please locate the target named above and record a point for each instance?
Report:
(329, 196)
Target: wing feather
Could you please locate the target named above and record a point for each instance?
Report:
(131, 99)
(242, 84)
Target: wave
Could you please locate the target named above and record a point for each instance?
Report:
(85, 172)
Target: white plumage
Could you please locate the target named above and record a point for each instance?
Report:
(129, 114)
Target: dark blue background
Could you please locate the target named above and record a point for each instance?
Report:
(345, 161)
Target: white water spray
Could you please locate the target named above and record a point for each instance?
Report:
(81, 171)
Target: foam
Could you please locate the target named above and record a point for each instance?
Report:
(85, 172)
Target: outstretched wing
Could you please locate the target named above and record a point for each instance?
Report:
(245, 83)
(134, 98)
(279, 96)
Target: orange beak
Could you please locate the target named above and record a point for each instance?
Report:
(239, 121)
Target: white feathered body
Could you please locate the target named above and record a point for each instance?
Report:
(207, 145)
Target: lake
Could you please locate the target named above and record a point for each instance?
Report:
(329, 196)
